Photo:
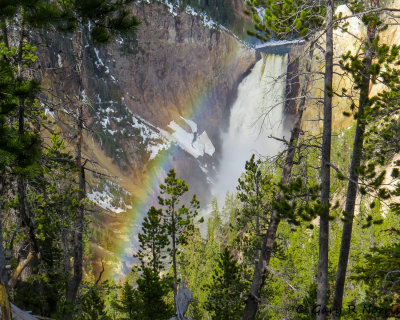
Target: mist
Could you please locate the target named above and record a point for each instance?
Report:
(256, 114)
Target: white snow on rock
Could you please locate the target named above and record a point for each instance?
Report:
(190, 142)
(105, 122)
(156, 139)
(191, 124)
(84, 96)
(171, 8)
(203, 141)
(59, 61)
(110, 196)
(103, 199)
(155, 148)
(47, 110)
(156, 142)
(100, 62)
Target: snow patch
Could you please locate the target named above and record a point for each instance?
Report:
(59, 61)
(276, 43)
(190, 142)
(191, 124)
(155, 149)
(48, 111)
(84, 96)
(103, 199)
(105, 122)
(99, 62)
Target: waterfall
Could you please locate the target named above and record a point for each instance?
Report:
(256, 114)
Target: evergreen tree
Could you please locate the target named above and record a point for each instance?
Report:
(153, 290)
(106, 19)
(378, 270)
(150, 295)
(256, 191)
(153, 241)
(365, 69)
(20, 123)
(176, 217)
(129, 303)
(93, 307)
(291, 20)
(224, 300)
(214, 223)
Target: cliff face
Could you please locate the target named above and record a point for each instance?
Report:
(175, 68)
(343, 43)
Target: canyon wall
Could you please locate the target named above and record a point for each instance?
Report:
(174, 80)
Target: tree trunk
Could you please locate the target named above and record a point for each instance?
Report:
(174, 258)
(73, 286)
(4, 300)
(260, 271)
(21, 183)
(322, 291)
(353, 180)
(79, 224)
(65, 247)
(20, 268)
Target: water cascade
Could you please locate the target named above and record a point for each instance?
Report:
(256, 114)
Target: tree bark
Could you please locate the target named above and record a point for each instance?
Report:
(4, 299)
(21, 183)
(79, 224)
(20, 268)
(353, 180)
(174, 255)
(260, 271)
(73, 286)
(322, 296)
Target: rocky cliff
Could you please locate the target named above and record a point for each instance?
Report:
(168, 87)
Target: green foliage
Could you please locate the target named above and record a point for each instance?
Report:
(221, 11)
(153, 241)
(106, 18)
(176, 218)
(163, 230)
(285, 19)
(19, 148)
(93, 307)
(224, 300)
(35, 13)
(41, 212)
(152, 290)
(198, 258)
(256, 191)
(129, 302)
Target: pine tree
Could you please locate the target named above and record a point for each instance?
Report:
(21, 124)
(224, 300)
(177, 218)
(214, 221)
(292, 20)
(107, 18)
(365, 69)
(129, 303)
(150, 295)
(153, 290)
(93, 307)
(153, 241)
(256, 191)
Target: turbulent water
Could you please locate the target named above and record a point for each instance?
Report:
(256, 114)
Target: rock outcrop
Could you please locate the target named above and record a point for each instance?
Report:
(176, 67)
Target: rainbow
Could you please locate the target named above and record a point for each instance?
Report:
(151, 179)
